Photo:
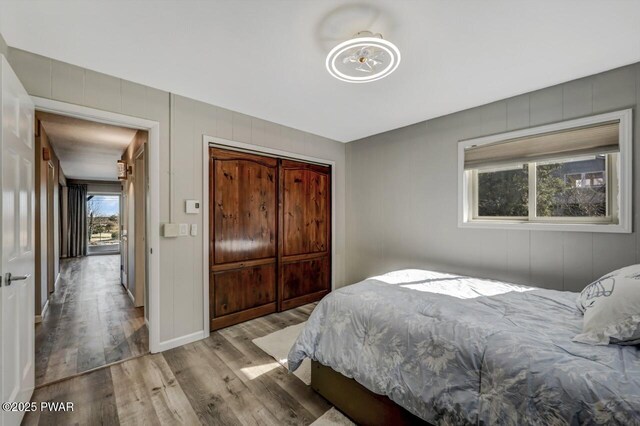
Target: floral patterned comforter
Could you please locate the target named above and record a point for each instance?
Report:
(460, 350)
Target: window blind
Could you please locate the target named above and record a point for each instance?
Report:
(598, 139)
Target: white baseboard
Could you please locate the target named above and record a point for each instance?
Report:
(182, 340)
(43, 313)
(131, 297)
(44, 308)
(55, 283)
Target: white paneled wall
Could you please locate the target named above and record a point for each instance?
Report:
(181, 286)
(402, 195)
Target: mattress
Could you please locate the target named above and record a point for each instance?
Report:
(460, 350)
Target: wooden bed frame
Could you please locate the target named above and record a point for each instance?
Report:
(357, 402)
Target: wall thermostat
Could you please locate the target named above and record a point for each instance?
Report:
(193, 206)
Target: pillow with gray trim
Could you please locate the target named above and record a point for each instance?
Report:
(611, 307)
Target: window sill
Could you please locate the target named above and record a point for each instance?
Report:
(547, 226)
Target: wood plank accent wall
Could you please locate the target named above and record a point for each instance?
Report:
(270, 229)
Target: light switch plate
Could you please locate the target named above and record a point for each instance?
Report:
(184, 229)
(194, 229)
(170, 230)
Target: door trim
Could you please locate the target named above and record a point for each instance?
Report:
(211, 141)
(50, 221)
(153, 215)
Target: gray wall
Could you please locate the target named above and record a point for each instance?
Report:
(4, 49)
(181, 259)
(402, 195)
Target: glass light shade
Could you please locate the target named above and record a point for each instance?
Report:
(122, 170)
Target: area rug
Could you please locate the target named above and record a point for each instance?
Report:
(333, 417)
(278, 344)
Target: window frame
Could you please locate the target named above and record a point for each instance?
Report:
(619, 208)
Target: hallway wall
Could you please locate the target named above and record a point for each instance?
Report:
(43, 256)
(134, 265)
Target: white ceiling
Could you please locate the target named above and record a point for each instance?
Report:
(266, 58)
(87, 150)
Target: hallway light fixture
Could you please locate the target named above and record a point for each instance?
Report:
(123, 170)
(366, 57)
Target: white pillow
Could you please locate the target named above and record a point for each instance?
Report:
(611, 307)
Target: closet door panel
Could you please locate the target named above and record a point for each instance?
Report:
(304, 234)
(305, 211)
(305, 277)
(242, 289)
(245, 210)
(243, 222)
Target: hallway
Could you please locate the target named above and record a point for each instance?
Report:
(90, 320)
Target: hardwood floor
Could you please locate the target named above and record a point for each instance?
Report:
(90, 321)
(222, 380)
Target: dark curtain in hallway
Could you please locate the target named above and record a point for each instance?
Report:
(77, 220)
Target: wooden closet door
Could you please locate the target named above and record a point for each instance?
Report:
(243, 219)
(304, 233)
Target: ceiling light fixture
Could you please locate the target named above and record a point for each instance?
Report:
(366, 57)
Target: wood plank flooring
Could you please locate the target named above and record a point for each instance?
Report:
(90, 321)
(222, 380)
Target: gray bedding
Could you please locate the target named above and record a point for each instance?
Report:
(460, 350)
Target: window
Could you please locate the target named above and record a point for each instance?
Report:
(574, 176)
(103, 223)
(580, 196)
(503, 192)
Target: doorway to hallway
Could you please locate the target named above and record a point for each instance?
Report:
(94, 313)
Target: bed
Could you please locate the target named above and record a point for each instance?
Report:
(451, 349)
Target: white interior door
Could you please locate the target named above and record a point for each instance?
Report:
(17, 293)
